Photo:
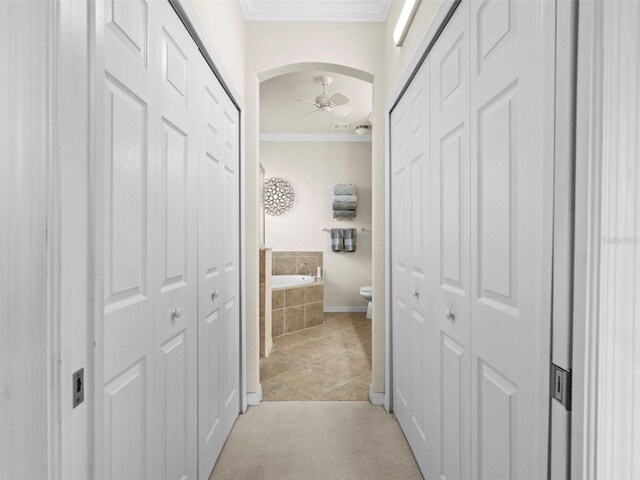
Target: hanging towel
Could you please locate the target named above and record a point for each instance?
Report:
(345, 198)
(345, 205)
(349, 239)
(344, 189)
(344, 214)
(337, 239)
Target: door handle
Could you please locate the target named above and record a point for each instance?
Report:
(416, 293)
(176, 313)
(214, 295)
(450, 314)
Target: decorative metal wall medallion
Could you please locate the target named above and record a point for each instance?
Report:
(278, 196)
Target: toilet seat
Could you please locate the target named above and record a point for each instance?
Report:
(366, 292)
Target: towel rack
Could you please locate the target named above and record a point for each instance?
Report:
(362, 229)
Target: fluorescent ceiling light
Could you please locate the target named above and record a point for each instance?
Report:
(404, 21)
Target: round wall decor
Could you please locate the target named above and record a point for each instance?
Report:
(278, 196)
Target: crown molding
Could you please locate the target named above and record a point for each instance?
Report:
(314, 137)
(315, 10)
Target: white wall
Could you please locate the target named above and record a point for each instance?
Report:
(397, 58)
(224, 24)
(271, 45)
(618, 351)
(313, 168)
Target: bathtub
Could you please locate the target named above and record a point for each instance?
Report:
(278, 282)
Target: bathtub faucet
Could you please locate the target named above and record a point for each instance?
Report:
(308, 266)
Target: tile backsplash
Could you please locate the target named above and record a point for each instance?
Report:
(288, 263)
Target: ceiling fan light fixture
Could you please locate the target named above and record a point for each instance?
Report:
(362, 129)
(325, 108)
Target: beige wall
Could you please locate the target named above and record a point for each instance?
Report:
(313, 168)
(397, 58)
(271, 45)
(224, 23)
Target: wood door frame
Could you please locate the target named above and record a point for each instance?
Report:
(94, 367)
(444, 12)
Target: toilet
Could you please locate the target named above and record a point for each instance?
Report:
(366, 293)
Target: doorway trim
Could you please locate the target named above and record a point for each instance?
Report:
(587, 233)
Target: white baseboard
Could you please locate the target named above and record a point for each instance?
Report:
(374, 397)
(254, 399)
(328, 309)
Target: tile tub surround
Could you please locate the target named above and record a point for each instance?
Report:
(266, 310)
(296, 308)
(328, 362)
(288, 263)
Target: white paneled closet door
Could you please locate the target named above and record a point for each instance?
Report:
(131, 165)
(171, 246)
(150, 320)
(176, 254)
(219, 287)
(414, 337)
(449, 309)
(471, 382)
(511, 236)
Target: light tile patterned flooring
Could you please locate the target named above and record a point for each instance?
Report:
(328, 362)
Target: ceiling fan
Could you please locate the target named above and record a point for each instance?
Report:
(335, 104)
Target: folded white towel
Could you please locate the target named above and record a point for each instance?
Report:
(345, 198)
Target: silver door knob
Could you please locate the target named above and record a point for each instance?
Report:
(214, 294)
(449, 313)
(416, 293)
(176, 313)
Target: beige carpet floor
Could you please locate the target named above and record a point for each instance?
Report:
(316, 440)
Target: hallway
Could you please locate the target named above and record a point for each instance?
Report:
(316, 440)
(202, 198)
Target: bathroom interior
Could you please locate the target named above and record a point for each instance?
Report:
(315, 237)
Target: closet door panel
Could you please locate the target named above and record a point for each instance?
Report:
(231, 273)
(173, 60)
(511, 225)
(219, 293)
(128, 328)
(449, 309)
(399, 255)
(211, 315)
(415, 341)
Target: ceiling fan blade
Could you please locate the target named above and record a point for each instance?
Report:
(342, 110)
(338, 99)
(309, 102)
(312, 111)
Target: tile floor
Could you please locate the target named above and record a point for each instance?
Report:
(328, 362)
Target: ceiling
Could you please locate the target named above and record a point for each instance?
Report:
(315, 10)
(280, 112)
